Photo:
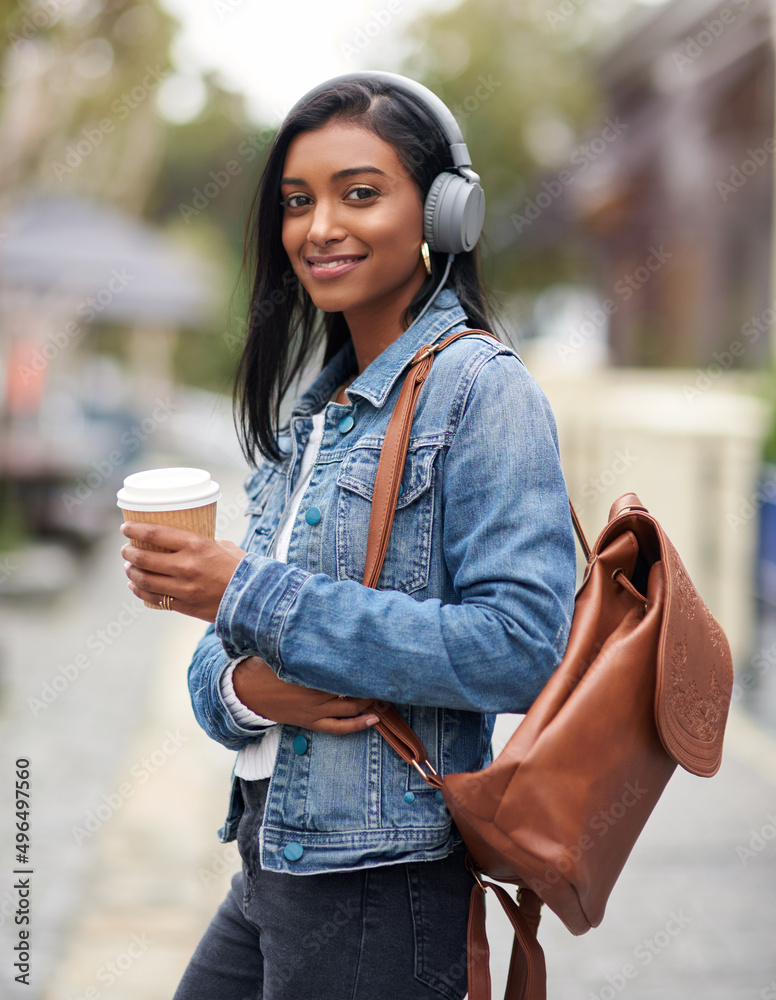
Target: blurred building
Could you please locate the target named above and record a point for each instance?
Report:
(73, 272)
(671, 196)
(677, 190)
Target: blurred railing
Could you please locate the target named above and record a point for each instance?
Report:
(690, 445)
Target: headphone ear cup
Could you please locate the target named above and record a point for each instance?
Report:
(453, 213)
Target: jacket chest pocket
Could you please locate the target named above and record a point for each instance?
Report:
(266, 493)
(408, 559)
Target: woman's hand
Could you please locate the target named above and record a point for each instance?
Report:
(194, 572)
(258, 687)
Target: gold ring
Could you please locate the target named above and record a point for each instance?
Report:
(341, 697)
(166, 602)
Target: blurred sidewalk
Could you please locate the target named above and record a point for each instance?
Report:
(693, 915)
(158, 871)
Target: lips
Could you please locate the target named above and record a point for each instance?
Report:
(333, 267)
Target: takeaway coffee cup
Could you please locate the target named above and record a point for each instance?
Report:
(180, 497)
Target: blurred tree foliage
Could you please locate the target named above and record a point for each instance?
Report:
(516, 73)
(210, 168)
(520, 79)
(78, 117)
(78, 84)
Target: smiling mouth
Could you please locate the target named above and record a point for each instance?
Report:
(331, 261)
(325, 267)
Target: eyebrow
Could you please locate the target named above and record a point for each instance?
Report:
(339, 175)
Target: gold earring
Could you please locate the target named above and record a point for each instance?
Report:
(426, 256)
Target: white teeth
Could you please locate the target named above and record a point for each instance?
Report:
(333, 263)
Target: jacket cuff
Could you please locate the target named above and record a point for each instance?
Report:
(255, 605)
(241, 714)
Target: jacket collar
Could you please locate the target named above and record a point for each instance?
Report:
(375, 383)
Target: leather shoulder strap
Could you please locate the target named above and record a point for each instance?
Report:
(394, 455)
(384, 496)
(527, 974)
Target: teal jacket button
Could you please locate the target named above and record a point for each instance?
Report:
(346, 424)
(439, 796)
(293, 851)
(313, 515)
(409, 796)
(300, 744)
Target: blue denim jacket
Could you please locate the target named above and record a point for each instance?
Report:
(470, 617)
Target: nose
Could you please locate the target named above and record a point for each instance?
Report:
(325, 223)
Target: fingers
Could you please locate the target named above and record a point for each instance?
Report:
(154, 562)
(341, 727)
(342, 708)
(146, 595)
(163, 535)
(144, 581)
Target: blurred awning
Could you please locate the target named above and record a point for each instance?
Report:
(80, 250)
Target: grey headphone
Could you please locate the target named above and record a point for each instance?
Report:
(455, 204)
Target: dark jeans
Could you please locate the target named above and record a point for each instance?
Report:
(397, 931)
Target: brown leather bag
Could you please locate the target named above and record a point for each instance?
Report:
(645, 684)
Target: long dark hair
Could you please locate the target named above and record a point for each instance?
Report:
(284, 326)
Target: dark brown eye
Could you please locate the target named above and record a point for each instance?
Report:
(296, 201)
(361, 193)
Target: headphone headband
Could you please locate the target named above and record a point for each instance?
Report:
(455, 205)
(425, 97)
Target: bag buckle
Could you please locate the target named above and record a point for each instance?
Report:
(426, 354)
(419, 768)
(472, 867)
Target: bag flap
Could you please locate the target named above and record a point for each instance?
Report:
(694, 679)
(695, 673)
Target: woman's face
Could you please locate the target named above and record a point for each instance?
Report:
(352, 222)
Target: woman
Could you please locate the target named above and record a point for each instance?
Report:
(353, 883)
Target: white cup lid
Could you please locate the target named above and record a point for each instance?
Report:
(168, 489)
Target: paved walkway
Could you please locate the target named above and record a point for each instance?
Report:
(157, 871)
(693, 915)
